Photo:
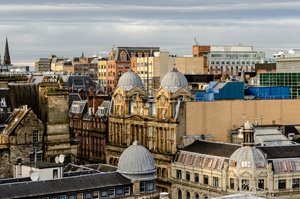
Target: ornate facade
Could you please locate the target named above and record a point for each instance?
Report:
(151, 121)
(210, 168)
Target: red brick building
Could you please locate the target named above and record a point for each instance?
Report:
(88, 122)
(119, 61)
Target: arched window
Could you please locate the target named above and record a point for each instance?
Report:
(188, 195)
(179, 194)
(197, 196)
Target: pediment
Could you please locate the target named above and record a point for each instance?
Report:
(136, 90)
(262, 174)
(183, 91)
(246, 174)
(136, 117)
(231, 172)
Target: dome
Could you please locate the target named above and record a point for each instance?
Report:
(129, 80)
(136, 160)
(248, 158)
(173, 81)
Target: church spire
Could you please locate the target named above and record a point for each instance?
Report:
(6, 60)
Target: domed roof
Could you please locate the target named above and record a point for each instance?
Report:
(136, 159)
(248, 158)
(173, 81)
(129, 80)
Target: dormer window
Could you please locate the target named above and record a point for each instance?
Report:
(123, 56)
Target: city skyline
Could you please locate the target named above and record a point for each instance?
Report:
(67, 28)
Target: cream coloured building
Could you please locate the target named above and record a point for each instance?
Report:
(213, 168)
(153, 69)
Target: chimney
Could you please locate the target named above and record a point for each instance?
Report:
(91, 111)
(91, 91)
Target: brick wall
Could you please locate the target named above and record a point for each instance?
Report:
(219, 117)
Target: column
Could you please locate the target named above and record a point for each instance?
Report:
(159, 139)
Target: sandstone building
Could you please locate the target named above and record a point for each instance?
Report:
(212, 168)
(151, 121)
(22, 136)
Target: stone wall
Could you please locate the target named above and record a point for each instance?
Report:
(5, 169)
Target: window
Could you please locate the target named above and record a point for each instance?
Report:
(120, 192)
(149, 144)
(296, 183)
(154, 132)
(79, 196)
(111, 193)
(187, 175)
(104, 194)
(96, 195)
(178, 174)
(172, 133)
(231, 183)
(179, 194)
(197, 196)
(188, 195)
(88, 196)
(173, 148)
(215, 181)
(261, 184)
(72, 197)
(245, 184)
(35, 136)
(281, 184)
(154, 145)
(150, 186)
(55, 173)
(164, 113)
(127, 141)
(149, 131)
(141, 111)
(127, 191)
(142, 187)
(196, 179)
(205, 179)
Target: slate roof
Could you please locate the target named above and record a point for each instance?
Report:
(69, 184)
(78, 82)
(212, 148)
(129, 50)
(14, 119)
(274, 152)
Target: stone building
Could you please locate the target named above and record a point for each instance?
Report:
(151, 121)
(54, 105)
(22, 136)
(209, 168)
(134, 178)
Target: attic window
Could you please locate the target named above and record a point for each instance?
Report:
(246, 164)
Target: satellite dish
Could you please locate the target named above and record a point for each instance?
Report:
(57, 159)
(61, 158)
(34, 176)
(30, 172)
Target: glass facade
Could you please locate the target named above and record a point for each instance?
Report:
(291, 80)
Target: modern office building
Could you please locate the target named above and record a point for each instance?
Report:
(228, 60)
(291, 80)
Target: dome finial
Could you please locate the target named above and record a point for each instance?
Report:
(136, 143)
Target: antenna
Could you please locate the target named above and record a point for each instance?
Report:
(61, 158)
(34, 176)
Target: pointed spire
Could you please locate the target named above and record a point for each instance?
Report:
(6, 60)
(243, 77)
(82, 55)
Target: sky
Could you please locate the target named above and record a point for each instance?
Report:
(67, 28)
